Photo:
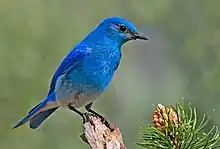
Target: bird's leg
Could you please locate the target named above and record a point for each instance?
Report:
(83, 115)
(88, 108)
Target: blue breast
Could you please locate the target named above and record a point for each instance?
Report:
(97, 69)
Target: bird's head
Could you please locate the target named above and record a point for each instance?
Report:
(120, 30)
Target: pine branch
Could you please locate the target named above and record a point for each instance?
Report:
(178, 128)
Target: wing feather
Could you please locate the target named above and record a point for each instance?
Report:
(70, 62)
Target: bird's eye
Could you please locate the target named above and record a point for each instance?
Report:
(123, 28)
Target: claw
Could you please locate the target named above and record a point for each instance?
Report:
(86, 118)
(104, 121)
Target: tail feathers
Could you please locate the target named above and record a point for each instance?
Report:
(39, 118)
(36, 110)
(33, 112)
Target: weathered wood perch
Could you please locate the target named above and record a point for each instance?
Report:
(98, 136)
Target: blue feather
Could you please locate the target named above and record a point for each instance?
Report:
(35, 110)
(70, 61)
(39, 118)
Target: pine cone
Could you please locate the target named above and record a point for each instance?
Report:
(164, 117)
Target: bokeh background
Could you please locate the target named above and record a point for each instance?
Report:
(181, 59)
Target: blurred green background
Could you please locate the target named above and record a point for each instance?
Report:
(181, 59)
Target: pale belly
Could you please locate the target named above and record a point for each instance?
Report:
(67, 92)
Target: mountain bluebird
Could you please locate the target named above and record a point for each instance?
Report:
(86, 71)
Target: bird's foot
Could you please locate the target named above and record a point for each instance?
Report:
(104, 121)
(86, 118)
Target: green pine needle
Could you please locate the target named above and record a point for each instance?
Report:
(188, 133)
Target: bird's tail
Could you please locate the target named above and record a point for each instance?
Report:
(35, 113)
(40, 117)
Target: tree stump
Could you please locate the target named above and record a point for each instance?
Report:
(98, 136)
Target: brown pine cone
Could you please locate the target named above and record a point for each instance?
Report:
(163, 117)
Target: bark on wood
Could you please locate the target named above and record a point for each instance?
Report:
(98, 136)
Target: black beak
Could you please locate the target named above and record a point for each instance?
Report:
(140, 36)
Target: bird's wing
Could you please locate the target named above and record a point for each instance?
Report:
(70, 61)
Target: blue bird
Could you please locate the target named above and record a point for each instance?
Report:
(86, 71)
